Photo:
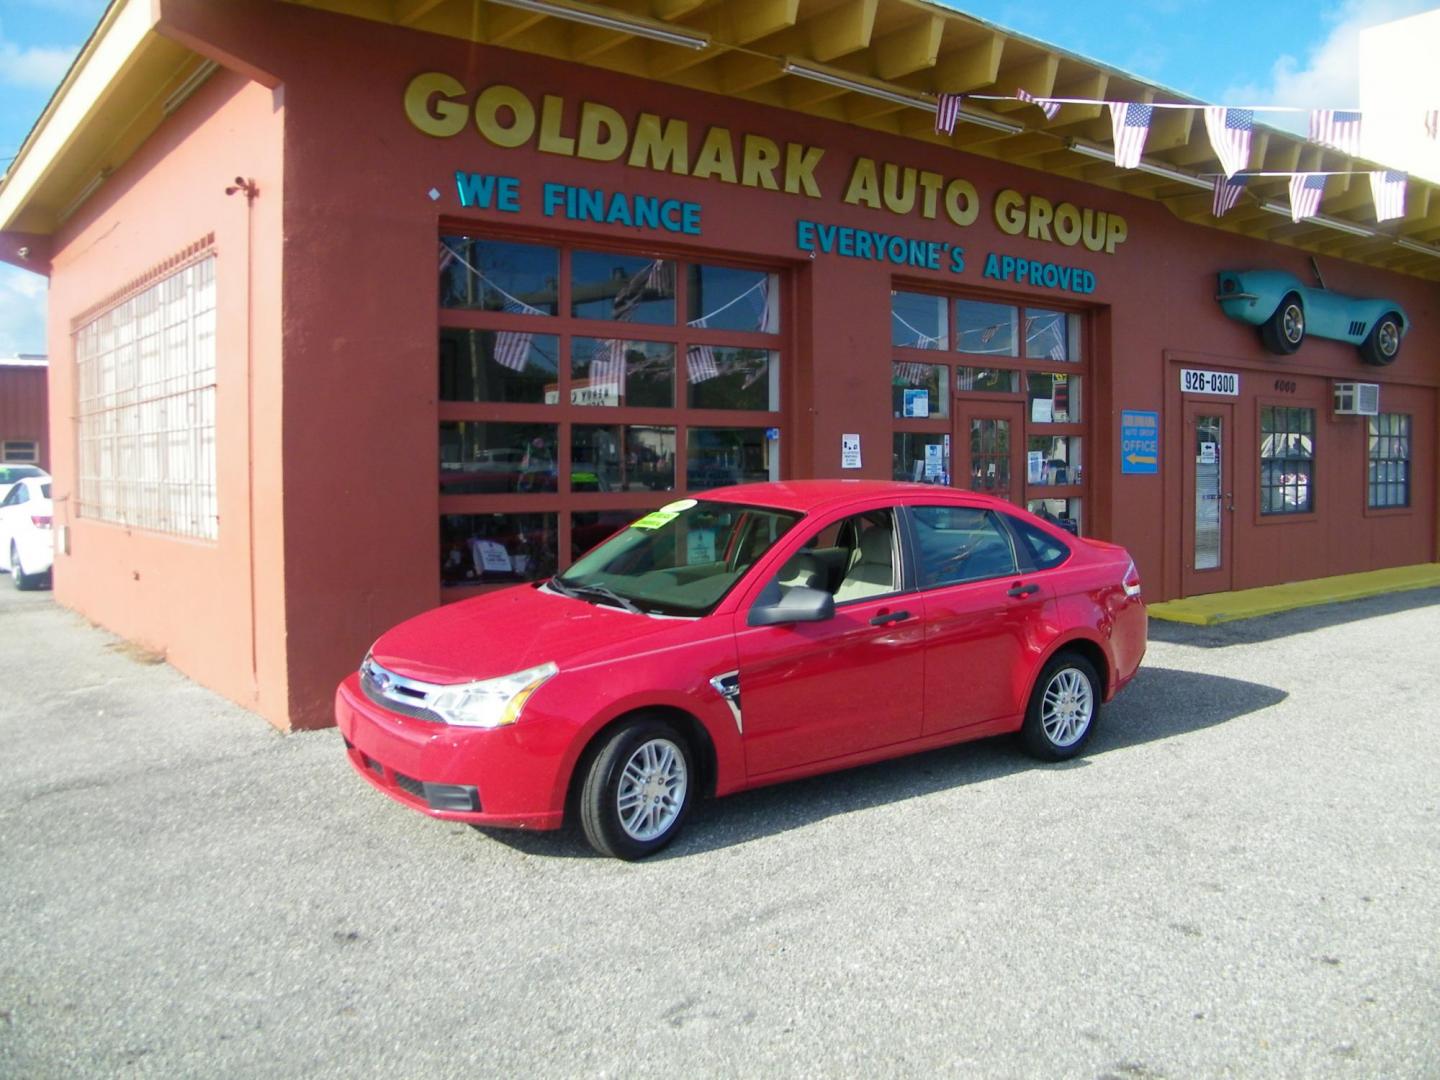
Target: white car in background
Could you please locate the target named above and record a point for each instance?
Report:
(26, 535)
(11, 472)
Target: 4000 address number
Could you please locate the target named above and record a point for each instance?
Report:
(1209, 382)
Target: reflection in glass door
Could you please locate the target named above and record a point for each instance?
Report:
(990, 442)
(1209, 519)
(1208, 479)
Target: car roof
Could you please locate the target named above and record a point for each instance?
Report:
(809, 496)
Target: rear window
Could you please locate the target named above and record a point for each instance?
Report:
(1045, 551)
(10, 473)
(960, 543)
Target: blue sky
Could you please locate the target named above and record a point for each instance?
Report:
(1282, 52)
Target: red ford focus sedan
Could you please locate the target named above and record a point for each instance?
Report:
(755, 635)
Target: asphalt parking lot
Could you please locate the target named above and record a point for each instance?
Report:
(1240, 879)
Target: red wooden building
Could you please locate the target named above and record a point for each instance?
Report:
(359, 308)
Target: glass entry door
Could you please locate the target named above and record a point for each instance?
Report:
(989, 439)
(1209, 494)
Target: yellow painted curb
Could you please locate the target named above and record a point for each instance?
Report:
(1250, 603)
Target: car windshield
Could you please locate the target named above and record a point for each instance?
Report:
(679, 560)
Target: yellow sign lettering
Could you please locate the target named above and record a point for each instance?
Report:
(431, 106)
(661, 145)
(552, 115)
(864, 189)
(716, 157)
(603, 133)
(489, 106)
(762, 158)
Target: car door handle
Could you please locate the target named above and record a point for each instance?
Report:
(1023, 590)
(889, 617)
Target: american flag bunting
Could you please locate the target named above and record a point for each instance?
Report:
(512, 350)
(1048, 107)
(607, 365)
(1388, 189)
(1227, 194)
(1306, 190)
(1057, 351)
(763, 326)
(1130, 123)
(947, 111)
(1336, 127)
(1229, 131)
(700, 360)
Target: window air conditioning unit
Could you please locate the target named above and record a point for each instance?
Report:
(1357, 399)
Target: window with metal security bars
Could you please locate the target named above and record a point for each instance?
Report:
(146, 407)
(1389, 460)
(1287, 460)
(20, 452)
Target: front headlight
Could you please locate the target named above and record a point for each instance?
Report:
(492, 703)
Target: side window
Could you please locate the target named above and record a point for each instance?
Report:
(961, 543)
(18, 494)
(852, 558)
(1044, 550)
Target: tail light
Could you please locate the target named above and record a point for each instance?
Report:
(40, 521)
(1132, 580)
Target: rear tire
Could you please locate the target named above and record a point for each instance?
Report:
(1283, 332)
(1063, 708)
(638, 789)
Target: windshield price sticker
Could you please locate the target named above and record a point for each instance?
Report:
(1209, 382)
(656, 520)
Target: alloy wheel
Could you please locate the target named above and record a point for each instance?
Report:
(1068, 707)
(1388, 340)
(1294, 323)
(652, 789)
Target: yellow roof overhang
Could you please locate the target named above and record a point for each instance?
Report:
(110, 101)
(114, 98)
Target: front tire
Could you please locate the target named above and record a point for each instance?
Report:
(1383, 344)
(1063, 708)
(22, 580)
(638, 790)
(1283, 332)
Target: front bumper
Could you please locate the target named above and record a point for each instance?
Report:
(511, 777)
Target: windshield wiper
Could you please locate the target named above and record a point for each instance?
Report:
(604, 592)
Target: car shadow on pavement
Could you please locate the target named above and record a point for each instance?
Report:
(1159, 704)
(1286, 623)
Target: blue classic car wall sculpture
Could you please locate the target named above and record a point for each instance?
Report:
(1285, 311)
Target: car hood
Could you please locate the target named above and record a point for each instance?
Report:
(514, 629)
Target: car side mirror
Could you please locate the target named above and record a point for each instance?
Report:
(797, 604)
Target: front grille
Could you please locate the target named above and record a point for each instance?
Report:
(394, 697)
(410, 784)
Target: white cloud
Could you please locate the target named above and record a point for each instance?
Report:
(34, 68)
(1328, 75)
(22, 311)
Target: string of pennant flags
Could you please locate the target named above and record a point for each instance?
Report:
(1230, 128)
(609, 356)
